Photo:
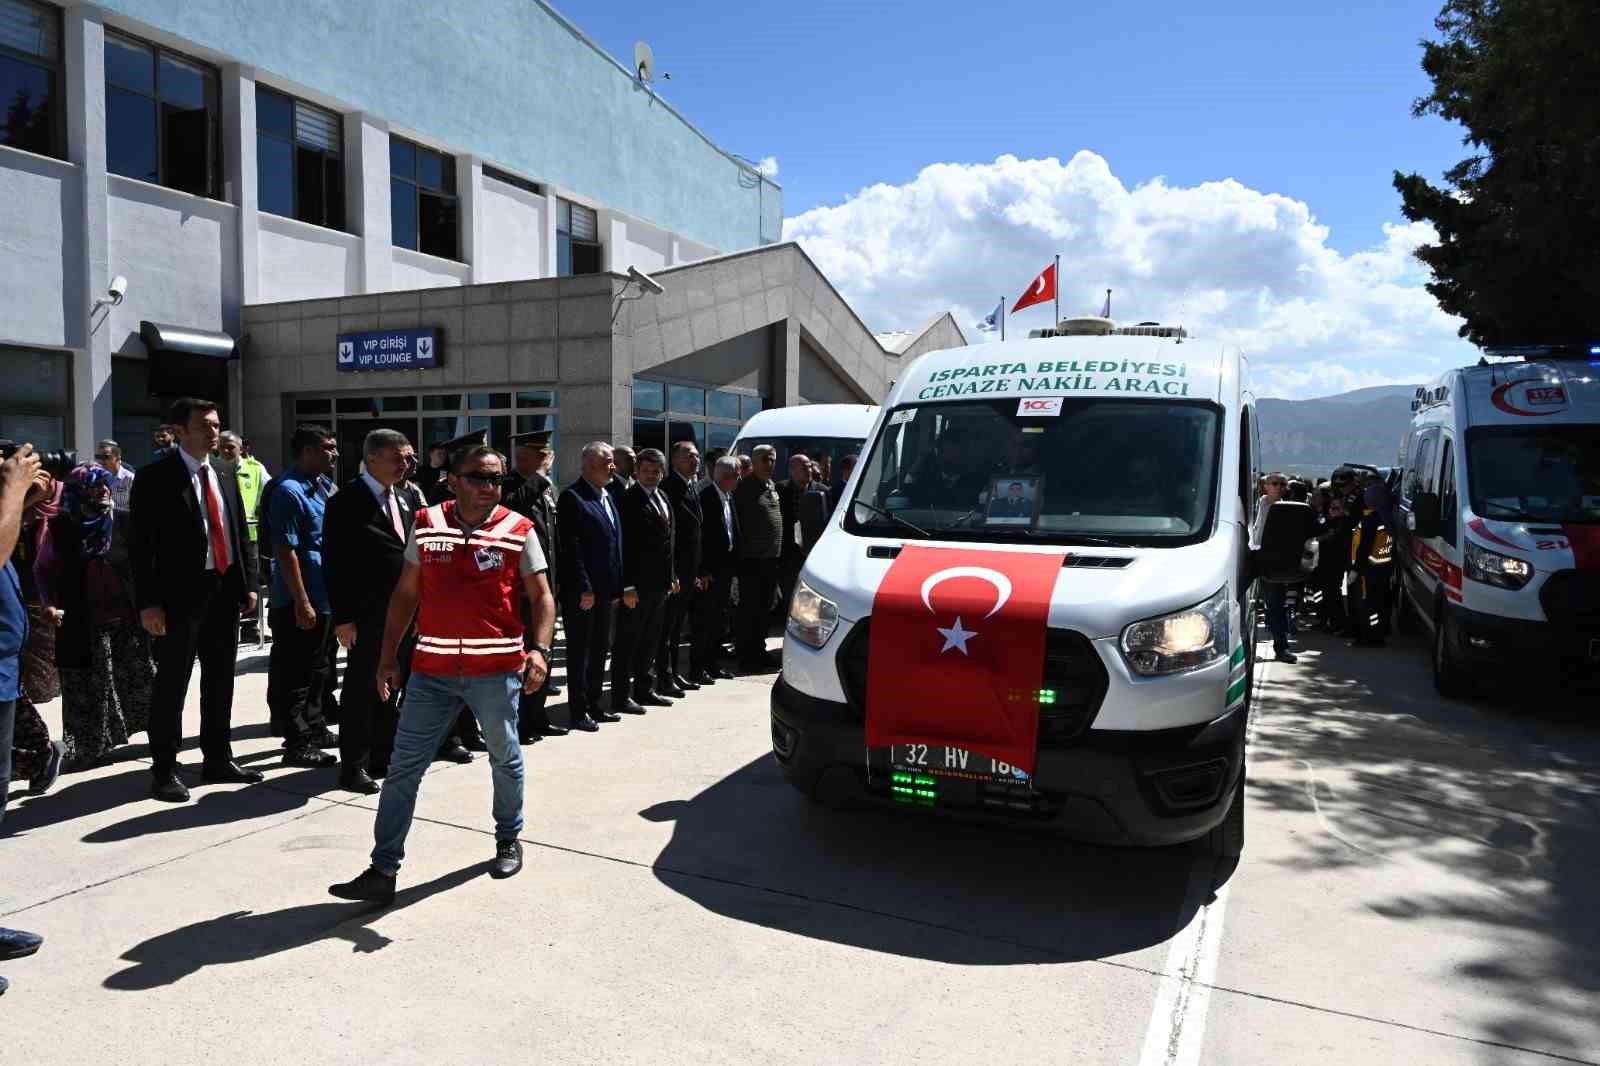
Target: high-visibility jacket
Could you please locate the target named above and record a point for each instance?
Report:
(252, 479)
(468, 621)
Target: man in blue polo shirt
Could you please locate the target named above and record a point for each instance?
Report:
(301, 620)
(16, 474)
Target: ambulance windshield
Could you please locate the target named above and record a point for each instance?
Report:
(1543, 474)
(1084, 470)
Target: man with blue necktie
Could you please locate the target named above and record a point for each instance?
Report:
(589, 575)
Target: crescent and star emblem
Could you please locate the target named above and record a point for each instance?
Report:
(1038, 285)
(956, 636)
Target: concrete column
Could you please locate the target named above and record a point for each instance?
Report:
(86, 270)
(613, 230)
(469, 181)
(786, 363)
(548, 268)
(366, 150)
(674, 251)
(240, 174)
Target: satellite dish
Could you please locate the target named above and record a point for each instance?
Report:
(644, 61)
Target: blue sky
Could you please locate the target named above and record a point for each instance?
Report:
(1307, 100)
(1227, 163)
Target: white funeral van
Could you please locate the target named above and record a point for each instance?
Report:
(1131, 455)
(815, 430)
(1499, 520)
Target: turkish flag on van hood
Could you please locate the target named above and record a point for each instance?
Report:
(956, 650)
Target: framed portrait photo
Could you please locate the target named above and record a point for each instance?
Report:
(1014, 500)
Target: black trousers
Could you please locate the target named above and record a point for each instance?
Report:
(208, 629)
(758, 579)
(633, 656)
(674, 619)
(1369, 601)
(367, 724)
(588, 640)
(710, 610)
(297, 675)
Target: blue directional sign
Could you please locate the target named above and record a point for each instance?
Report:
(390, 349)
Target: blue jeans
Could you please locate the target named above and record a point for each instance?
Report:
(8, 721)
(431, 704)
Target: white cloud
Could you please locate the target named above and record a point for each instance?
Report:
(1228, 262)
(768, 167)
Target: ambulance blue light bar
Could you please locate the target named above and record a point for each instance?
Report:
(1532, 352)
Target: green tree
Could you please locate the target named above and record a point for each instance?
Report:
(1518, 255)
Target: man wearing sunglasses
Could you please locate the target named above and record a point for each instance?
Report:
(467, 561)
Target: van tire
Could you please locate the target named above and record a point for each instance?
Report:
(1226, 839)
(1449, 676)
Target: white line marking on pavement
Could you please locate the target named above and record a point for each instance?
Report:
(1178, 1017)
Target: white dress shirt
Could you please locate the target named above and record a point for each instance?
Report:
(389, 500)
(200, 485)
(727, 515)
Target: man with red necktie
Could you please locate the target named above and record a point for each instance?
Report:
(193, 578)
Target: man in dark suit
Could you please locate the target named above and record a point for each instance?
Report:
(530, 492)
(364, 540)
(679, 485)
(622, 479)
(194, 575)
(647, 575)
(589, 570)
(719, 562)
(794, 547)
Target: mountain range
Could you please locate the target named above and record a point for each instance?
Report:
(1312, 437)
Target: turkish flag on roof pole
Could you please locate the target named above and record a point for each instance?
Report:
(956, 650)
(1042, 289)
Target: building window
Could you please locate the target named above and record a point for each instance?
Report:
(299, 160)
(578, 248)
(36, 404)
(422, 199)
(515, 182)
(665, 414)
(30, 76)
(163, 117)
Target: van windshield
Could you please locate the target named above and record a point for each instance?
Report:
(1543, 474)
(1133, 472)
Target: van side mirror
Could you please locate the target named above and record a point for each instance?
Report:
(1283, 541)
(1425, 514)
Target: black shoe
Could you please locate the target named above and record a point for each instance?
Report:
(377, 770)
(687, 684)
(703, 678)
(455, 753)
(624, 706)
(507, 858)
(671, 691)
(1286, 656)
(15, 944)
(309, 757)
(229, 773)
(606, 716)
(721, 674)
(360, 781)
(323, 738)
(586, 724)
(370, 887)
(475, 744)
(653, 698)
(38, 786)
(167, 788)
(550, 729)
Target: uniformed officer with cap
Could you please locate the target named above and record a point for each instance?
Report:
(531, 493)
(435, 487)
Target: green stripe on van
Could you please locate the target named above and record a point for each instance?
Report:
(1236, 690)
(1238, 656)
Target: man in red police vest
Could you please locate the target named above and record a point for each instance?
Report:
(467, 562)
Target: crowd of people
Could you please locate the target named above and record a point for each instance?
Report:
(442, 584)
(1348, 591)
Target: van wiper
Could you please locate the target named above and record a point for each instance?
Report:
(891, 516)
(1088, 538)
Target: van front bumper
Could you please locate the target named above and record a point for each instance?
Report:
(1108, 786)
(1549, 652)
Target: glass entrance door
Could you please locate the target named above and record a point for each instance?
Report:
(352, 434)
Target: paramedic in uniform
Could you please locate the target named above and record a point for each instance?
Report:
(468, 562)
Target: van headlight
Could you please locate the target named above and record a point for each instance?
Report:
(812, 616)
(1183, 640)
(1492, 568)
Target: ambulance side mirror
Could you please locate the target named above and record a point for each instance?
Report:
(1283, 542)
(1425, 517)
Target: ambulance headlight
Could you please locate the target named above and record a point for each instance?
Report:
(1183, 640)
(812, 616)
(1492, 568)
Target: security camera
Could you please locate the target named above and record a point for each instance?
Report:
(118, 289)
(645, 281)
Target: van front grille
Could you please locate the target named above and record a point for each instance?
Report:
(1572, 597)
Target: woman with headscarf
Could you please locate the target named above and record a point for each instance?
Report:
(103, 654)
(34, 756)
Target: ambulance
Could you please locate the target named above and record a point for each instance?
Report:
(1035, 603)
(1498, 519)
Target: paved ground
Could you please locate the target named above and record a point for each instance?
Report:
(1418, 888)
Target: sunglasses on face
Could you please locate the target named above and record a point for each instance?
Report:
(485, 480)
(104, 457)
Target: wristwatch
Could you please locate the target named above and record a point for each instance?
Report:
(541, 649)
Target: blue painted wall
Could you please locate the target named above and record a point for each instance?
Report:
(505, 79)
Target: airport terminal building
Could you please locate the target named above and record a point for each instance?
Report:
(285, 186)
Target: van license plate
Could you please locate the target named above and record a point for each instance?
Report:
(937, 760)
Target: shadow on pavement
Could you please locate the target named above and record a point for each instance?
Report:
(243, 935)
(218, 805)
(1502, 793)
(906, 884)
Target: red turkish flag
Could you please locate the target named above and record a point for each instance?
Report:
(1042, 289)
(956, 650)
